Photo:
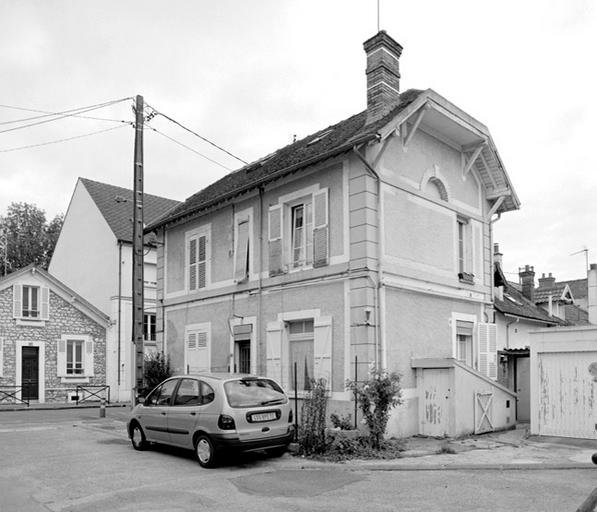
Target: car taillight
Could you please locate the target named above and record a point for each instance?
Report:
(290, 416)
(226, 422)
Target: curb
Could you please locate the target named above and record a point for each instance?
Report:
(50, 407)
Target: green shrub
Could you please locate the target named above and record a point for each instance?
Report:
(341, 422)
(311, 434)
(376, 397)
(156, 368)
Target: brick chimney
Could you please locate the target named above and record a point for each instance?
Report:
(527, 280)
(547, 282)
(592, 296)
(383, 75)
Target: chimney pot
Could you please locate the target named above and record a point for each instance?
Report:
(527, 280)
(383, 75)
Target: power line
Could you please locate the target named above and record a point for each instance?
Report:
(187, 147)
(66, 113)
(48, 113)
(64, 140)
(196, 134)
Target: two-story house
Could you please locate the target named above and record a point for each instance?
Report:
(365, 243)
(93, 256)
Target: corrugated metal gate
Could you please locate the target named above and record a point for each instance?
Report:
(567, 398)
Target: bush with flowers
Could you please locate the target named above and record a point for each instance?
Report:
(376, 397)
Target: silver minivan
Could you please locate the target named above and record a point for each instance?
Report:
(213, 414)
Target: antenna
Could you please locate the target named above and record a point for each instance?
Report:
(378, 15)
(586, 251)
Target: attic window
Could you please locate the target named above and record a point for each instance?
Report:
(512, 299)
(320, 137)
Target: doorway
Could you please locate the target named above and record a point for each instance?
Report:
(243, 356)
(30, 373)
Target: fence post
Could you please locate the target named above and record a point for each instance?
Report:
(102, 410)
(295, 405)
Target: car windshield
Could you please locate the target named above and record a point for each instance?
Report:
(254, 392)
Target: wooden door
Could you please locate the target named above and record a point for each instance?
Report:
(523, 389)
(30, 373)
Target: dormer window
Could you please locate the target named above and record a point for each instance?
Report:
(30, 302)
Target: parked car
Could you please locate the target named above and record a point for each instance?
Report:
(213, 414)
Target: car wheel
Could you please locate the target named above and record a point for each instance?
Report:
(138, 437)
(206, 452)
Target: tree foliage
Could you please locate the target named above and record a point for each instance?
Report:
(26, 237)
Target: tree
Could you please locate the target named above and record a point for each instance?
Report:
(26, 237)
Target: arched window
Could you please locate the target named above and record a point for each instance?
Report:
(436, 189)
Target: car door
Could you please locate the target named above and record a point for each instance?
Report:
(154, 414)
(183, 413)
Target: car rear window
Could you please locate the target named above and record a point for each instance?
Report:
(254, 393)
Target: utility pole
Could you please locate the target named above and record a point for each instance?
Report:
(138, 299)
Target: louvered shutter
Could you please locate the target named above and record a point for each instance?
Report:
(275, 240)
(17, 301)
(193, 264)
(242, 252)
(488, 350)
(89, 370)
(273, 340)
(45, 303)
(197, 352)
(320, 228)
(202, 262)
(322, 349)
(61, 358)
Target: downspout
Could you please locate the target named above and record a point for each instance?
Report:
(380, 338)
(119, 305)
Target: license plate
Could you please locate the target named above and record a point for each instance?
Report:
(263, 416)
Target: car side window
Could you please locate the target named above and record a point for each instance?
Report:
(207, 393)
(162, 395)
(188, 393)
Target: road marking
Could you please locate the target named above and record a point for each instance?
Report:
(25, 429)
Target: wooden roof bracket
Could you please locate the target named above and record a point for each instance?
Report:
(473, 158)
(407, 134)
(496, 205)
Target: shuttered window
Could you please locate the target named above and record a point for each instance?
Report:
(241, 261)
(75, 356)
(197, 252)
(31, 302)
(197, 348)
(464, 342)
(488, 350)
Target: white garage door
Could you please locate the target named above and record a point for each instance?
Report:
(567, 395)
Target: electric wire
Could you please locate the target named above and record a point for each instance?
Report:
(195, 134)
(48, 113)
(65, 139)
(65, 113)
(187, 147)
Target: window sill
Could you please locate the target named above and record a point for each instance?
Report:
(74, 380)
(31, 323)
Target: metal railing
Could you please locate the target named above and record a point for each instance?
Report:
(92, 392)
(9, 394)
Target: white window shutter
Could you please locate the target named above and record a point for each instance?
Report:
(61, 358)
(197, 351)
(89, 366)
(487, 345)
(17, 300)
(322, 349)
(45, 303)
(320, 228)
(275, 240)
(242, 251)
(273, 340)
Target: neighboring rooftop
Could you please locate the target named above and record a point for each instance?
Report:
(116, 206)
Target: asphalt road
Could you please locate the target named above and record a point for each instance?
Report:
(74, 461)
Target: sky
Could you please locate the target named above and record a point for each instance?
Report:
(249, 75)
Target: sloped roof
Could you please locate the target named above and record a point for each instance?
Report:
(576, 315)
(515, 303)
(578, 287)
(558, 291)
(116, 203)
(326, 143)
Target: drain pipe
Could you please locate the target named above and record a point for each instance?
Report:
(119, 309)
(380, 332)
